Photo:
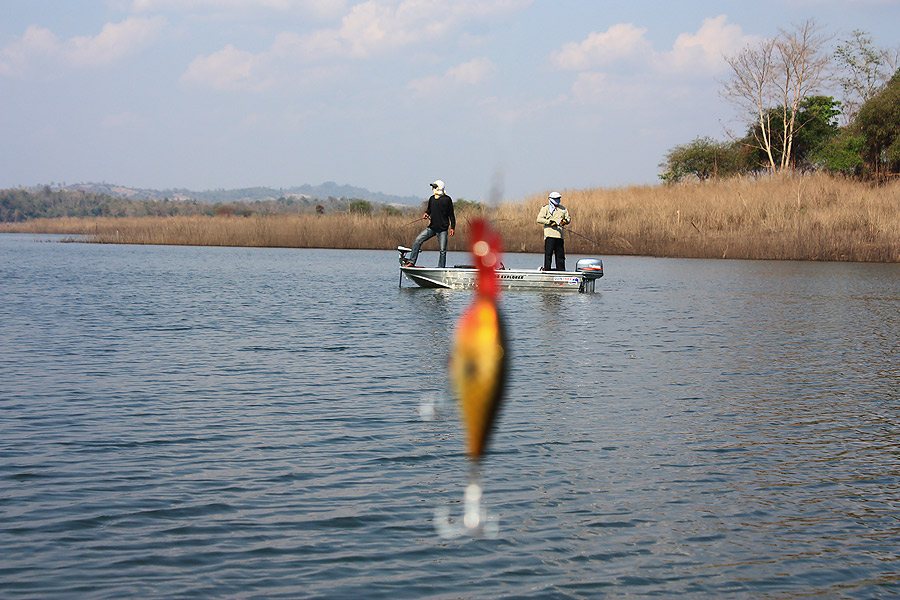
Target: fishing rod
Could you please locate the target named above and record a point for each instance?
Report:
(416, 221)
(581, 236)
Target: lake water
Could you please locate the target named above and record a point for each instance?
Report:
(181, 422)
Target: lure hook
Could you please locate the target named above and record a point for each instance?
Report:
(476, 520)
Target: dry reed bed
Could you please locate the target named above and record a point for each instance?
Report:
(812, 217)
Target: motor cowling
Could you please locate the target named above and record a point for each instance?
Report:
(591, 270)
(591, 267)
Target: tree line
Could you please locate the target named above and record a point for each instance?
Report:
(20, 204)
(793, 125)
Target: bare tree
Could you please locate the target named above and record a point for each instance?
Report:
(751, 88)
(805, 66)
(776, 75)
(867, 68)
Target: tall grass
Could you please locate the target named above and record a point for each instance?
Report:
(813, 217)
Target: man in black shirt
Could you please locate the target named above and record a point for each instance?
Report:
(443, 221)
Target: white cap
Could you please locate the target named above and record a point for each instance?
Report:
(555, 196)
(438, 184)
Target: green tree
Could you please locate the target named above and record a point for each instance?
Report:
(815, 123)
(703, 158)
(360, 207)
(841, 154)
(878, 122)
(466, 205)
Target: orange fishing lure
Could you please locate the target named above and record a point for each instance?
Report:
(479, 357)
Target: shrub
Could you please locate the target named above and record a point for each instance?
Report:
(360, 207)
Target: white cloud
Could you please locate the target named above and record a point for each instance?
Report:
(619, 42)
(619, 72)
(290, 60)
(377, 26)
(590, 85)
(114, 41)
(468, 73)
(472, 72)
(620, 66)
(702, 51)
(36, 44)
(229, 69)
(39, 47)
(226, 5)
(706, 49)
(367, 30)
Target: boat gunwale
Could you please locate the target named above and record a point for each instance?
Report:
(540, 280)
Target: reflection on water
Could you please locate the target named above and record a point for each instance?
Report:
(214, 422)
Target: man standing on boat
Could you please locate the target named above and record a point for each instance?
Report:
(440, 212)
(553, 217)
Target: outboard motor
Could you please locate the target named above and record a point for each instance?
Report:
(591, 270)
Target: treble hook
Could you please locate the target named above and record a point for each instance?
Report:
(432, 407)
(476, 521)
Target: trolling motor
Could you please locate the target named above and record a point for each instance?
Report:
(403, 250)
(591, 270)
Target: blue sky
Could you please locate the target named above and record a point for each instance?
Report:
(383, 94)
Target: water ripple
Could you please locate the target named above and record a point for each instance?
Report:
(225, 423)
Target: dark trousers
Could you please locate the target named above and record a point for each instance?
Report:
(553, 246)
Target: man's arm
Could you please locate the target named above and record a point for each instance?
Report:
(452, 215)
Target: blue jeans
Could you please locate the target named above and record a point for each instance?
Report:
(427, 234)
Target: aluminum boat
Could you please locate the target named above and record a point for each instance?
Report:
(461, 277)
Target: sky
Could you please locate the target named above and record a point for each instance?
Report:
(498, 98)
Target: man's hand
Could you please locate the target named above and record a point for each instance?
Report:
(451, 232)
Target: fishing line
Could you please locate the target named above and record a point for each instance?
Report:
(579, 235)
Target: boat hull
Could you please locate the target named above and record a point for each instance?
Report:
(457, 278)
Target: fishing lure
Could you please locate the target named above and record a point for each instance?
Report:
(478, 364)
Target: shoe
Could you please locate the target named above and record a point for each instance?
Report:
(407, 263)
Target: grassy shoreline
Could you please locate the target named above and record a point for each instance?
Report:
(809, 217)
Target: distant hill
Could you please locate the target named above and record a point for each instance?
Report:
(327, 190)
(109, 200)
